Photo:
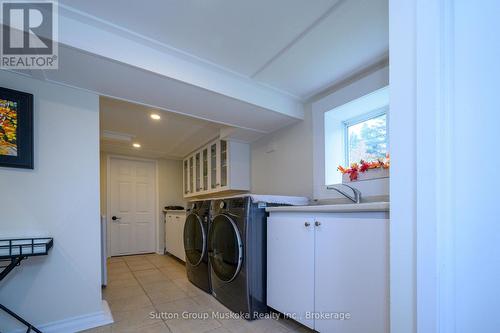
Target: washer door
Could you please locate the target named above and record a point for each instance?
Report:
(194, 239)
(225, 249)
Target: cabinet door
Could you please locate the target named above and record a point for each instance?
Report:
(186, 177)
(197, 172)
(204, 167)
(352, 274)
(223, 163)
(214, 156)
(169, 234)
(290, 265)
(178, 237)
(191, 174)
(180, 224)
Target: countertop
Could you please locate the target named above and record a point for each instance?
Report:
(336, 208)
(175, 211)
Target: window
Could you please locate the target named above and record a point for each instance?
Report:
(353, 131)
(357, 109)
(365, 137)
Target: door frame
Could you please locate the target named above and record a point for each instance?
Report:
(157, 217)
(422, 258)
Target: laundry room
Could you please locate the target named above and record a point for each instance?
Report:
(207, 166)
(200, 215)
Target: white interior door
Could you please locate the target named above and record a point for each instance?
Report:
(132, 201)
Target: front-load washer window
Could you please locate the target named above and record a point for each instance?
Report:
(225, 249)
(194, 239)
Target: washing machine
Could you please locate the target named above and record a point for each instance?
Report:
(195, 244)
(237, 255)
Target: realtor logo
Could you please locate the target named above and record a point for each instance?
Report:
(29, 35)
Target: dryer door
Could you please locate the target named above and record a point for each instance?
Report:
(225, 249)
(194, 239)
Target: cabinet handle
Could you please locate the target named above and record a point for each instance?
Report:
(317, 223)
(307, 224)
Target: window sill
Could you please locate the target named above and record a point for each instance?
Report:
(367, 175)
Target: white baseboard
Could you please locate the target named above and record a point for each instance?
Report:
(77, 324)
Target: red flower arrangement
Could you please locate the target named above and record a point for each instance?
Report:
(364, 166)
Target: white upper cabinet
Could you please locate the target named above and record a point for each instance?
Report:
(222, 165)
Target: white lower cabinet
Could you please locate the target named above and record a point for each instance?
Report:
(174, 233)
(330, 271)
(290, 265)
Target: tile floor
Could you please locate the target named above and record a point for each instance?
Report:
(149, 294)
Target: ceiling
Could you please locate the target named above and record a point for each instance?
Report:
(241, 68)
(298, 46)
(173, 136)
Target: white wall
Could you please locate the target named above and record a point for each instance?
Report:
(475, 140)
(59, 198)
(403, 182)
(282, 161)
(170, 190)
(170, 183)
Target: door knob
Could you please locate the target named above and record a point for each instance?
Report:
(317, 223)
(307, 224)
(114, 218)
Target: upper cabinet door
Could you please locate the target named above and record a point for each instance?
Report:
(197, 174)
(191, 174)
(351, 274)
(204, 167)
(214, 156)
(290, 265)
(186, 177)
(223, 163)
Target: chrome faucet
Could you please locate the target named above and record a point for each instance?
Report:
(356, 198)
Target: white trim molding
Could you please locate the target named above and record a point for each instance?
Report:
(77, 324)
(421, 134)
(403, 174)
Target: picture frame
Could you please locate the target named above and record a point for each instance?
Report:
(16, 129)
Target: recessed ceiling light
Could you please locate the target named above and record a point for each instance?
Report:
(136, 145)
(155, 116)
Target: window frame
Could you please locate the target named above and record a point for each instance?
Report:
(360, 119)
(368, 84)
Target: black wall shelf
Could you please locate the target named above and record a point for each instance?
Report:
(12, 253)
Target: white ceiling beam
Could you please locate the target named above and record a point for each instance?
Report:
(93, 35)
